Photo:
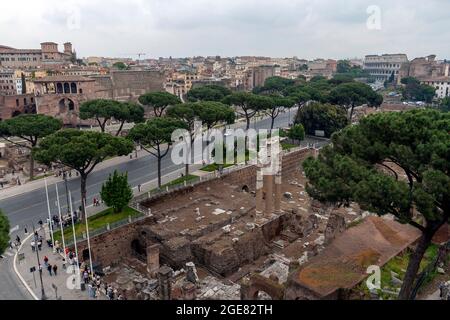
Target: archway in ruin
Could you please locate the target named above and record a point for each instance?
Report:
(59, 88)
(16, 113)
(66, 105)
(73, 88)
(259, 287)
(85, 254)
(66, 87)
(138, 250)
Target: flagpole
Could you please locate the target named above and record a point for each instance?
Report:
(74, 237)
(61, 222)
(49, 215)
(88, 241)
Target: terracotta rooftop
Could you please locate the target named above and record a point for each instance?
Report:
(344, 262)
(6, 49)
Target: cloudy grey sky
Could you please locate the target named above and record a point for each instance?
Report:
(279, 28)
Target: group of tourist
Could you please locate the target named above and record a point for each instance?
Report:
(96, 286)
(52, 269)
(96, 202)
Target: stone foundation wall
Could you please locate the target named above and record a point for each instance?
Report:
(229, 258)
(273, 228)
(111, 247)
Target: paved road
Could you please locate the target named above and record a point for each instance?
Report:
(10, 286)
(27, 208)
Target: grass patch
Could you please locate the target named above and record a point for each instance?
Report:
(288, 146)
(180, 180)
(42, 177)
(283, 133)
(97, 221)
(214, 167)
(398, 265)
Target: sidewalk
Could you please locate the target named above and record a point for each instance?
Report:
(62, 281)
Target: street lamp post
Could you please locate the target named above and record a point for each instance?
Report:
(36, 238)
(67, 192)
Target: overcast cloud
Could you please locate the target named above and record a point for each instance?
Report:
(279, 28)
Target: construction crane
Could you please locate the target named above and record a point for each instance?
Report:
(139, 55)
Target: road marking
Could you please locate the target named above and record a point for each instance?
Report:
(14, 229)
(17, 271)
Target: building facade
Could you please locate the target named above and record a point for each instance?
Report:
(382, 67)
(8, 84)
(14, 105)
(48, 54)
(442, 85)
(61, 96)
(256, 76)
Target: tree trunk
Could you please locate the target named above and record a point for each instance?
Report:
(351, 114)
(272, 123)
(31, 166)
(186, 169)
(120, 128)
(83, 196)
(159, 172)
(414, 264)
(247, 118)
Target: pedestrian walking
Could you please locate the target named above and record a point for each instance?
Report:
(55, 269)
(86, 277)
(10, 244)
(89, 290)
(110, 293)
(18, 240)
(25, 230)
(57, 246)
(33, 246)
(49, 268)
(45, 260)
(139, 187)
